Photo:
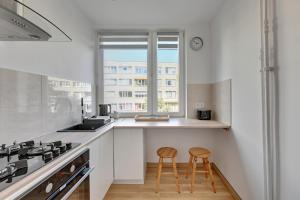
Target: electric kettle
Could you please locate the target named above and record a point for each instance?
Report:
(104, 109)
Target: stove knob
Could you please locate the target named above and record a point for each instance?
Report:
(48, 156)
(49, 187)
(69, 145)
(62, 149)
(72, 168)
(51, 146)
(56, 152)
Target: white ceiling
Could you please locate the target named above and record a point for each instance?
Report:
(148, 12)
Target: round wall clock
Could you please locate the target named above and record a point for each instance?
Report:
(196, 43)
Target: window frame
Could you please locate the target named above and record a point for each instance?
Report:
(182, 90)
(152, 88)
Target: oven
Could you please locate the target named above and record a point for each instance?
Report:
(71, 182)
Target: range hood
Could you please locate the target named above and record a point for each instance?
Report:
(19, 22)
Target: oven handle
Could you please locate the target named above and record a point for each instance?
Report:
(77, 184)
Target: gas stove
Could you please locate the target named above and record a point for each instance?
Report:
(21, 159)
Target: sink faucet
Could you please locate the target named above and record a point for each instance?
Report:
(83, 112)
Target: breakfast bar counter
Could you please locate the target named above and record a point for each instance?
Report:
(172, 123)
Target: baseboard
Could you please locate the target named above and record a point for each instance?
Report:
(232, 191)
(138, 181)
(234, 194)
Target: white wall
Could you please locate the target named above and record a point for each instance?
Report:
(181, 139)
(235, 55)
(72, 60)
(198, 63)
(69, 60)
(289, 96)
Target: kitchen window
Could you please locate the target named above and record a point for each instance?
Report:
(146, 66)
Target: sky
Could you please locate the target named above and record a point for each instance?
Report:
(165, 56)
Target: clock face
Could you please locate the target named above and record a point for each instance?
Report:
(196, 43)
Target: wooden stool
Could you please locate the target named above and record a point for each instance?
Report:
(167, 152)
(203, 154)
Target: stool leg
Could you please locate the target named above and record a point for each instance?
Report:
(205, 168)
(160, 162)
(190, 166)
(211, 176)
(193, 174)
(176, 175)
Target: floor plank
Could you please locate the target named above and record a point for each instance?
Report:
(168, 189)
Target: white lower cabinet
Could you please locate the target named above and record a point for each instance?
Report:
(129, 158)
(101, 157)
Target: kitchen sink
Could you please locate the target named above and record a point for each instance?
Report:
(86, 126)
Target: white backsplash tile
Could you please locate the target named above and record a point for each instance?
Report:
(32, 105)
(15, 87)
(221, 96)
(198, 93)
(213, 96)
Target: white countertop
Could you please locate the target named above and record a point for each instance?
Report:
(172, 123)
(85, 138)
(26, 184)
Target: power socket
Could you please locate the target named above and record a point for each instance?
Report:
(200, 105)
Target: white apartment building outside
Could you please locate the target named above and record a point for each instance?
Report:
(125, 86)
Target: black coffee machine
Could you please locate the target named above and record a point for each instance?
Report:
(104, 109)
(204, 114)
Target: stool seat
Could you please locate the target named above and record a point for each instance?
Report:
(167, 152)
(199, 152)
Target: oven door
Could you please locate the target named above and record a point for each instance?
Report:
(76, 188)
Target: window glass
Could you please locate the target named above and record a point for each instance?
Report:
(125, 82)
(167, 73)
(141, 70)
(110, 94)
(125, 69)
(110, 69)
(124, 78)
(110, 82)
(125, 94)
(140, 94)
(128, 85)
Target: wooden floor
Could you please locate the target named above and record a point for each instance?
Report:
(168, 189)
